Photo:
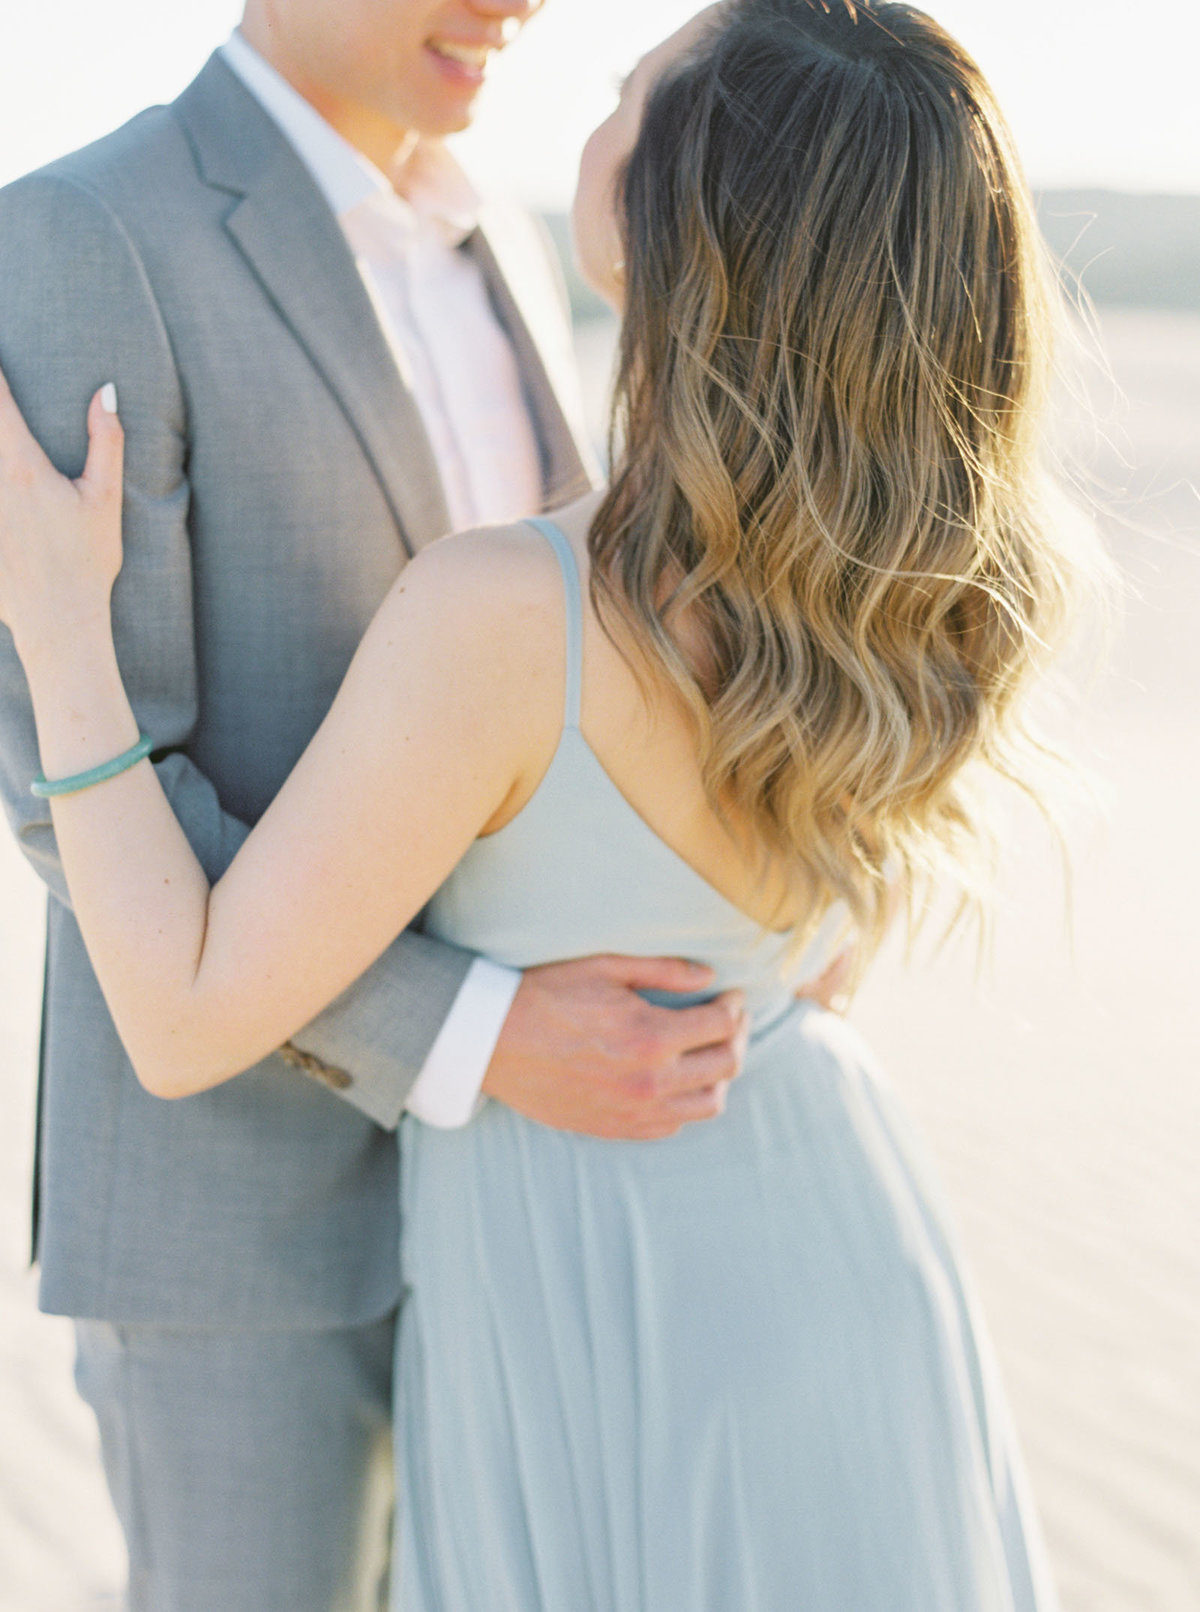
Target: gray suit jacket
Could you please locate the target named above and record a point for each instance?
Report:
(277, 476)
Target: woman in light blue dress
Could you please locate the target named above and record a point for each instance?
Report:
(712, 711)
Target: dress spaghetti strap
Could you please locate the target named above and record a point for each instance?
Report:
(573, 590)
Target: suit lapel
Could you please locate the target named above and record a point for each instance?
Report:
(291, 241)
(294, 246)
(321, 296)
(529, 303)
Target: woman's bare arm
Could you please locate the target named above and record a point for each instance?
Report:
(444, 713)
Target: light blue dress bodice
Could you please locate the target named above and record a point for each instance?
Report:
(579, 871)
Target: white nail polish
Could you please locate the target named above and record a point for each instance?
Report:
(108, 398)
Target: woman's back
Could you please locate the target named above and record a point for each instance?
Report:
(617, 849)
(637, 729)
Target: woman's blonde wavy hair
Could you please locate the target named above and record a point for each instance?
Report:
(833, 360)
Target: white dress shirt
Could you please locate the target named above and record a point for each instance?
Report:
(433, 307)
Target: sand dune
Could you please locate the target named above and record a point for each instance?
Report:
(1058, 1093)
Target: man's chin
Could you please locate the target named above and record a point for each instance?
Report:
(451, 94)
(443, 117)
(454, 125)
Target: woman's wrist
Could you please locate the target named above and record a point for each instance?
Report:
(61, 633)
(80, 706)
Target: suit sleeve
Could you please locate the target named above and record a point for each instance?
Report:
(77, 309)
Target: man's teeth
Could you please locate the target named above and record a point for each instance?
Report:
(468, 55)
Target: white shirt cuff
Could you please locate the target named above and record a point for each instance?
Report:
(447, 1091)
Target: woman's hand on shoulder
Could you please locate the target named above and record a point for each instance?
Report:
(60, 540)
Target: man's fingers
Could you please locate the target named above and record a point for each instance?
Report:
(657, 973)
(581, 1051)
(704, 1104)
(708, 1024)
(694, 1107)
(658, 1088)
(696, 1071)
(103, 470)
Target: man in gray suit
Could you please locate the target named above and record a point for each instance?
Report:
(317, 376)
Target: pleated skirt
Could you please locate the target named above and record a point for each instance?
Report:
(737, 1370)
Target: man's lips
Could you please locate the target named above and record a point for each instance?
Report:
(462, 63)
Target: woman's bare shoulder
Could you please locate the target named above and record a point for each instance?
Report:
(478, 617)
(486, 574)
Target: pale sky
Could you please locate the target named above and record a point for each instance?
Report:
(1099, 92)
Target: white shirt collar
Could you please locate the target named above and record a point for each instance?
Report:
(437, 189)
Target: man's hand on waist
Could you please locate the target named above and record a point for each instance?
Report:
(582, 1051)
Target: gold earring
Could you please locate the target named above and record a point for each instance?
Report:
(618, 271)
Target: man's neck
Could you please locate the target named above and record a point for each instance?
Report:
(375, 136)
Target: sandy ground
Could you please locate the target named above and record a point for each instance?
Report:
(1058, 1092)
